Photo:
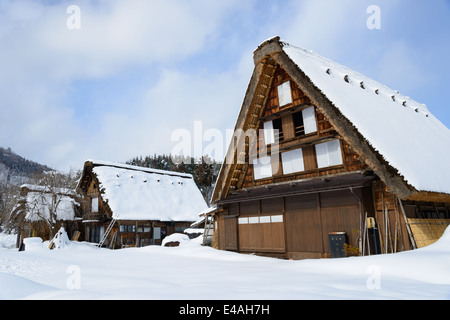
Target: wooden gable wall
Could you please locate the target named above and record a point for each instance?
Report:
(325, 132)
(93, 192)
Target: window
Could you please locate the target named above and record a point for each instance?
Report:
(292, 161)
(96, 233)
(253, 220)
(262, 168)
(278, 129)
(144, 228)
(243, 220)
(304, 121)
(269, 135)
(273, 131)
(309, 120)
(94, 204)
(299, 127)
(156, 233)
(260, 219)
(328, 154)
(180, 229)
(284, 93)
(127, 228)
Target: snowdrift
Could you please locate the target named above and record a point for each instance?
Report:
(191, 271)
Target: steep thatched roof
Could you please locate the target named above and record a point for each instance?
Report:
(137, 193)
(397, 137)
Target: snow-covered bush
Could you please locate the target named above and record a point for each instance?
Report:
(60, 240)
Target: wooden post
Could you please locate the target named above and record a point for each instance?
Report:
(385, 223)
(76, 235)
(408, 227)
(284, 226)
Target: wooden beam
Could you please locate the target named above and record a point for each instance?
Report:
(408, 227)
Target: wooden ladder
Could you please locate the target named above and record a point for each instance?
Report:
(209, 225)
(105, 235)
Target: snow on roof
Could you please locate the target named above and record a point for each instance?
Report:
(136, 193)
(37, 188)
(143, 169)
(208, 210)
(38, 206)
(402, 130)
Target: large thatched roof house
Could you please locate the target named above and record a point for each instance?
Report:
(322, 150)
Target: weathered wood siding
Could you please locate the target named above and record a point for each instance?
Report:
(261, 226)
(390, 220)
(290, 141)
(295, 226)
(304, 224)
(393, 218)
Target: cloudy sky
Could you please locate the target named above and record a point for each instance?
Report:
(136, 71)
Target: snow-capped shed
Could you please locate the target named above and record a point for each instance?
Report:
(142, 205)
(323, 154)
(42, 210)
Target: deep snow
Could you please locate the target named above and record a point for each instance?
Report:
(194, 272)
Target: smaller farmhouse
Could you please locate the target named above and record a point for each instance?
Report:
(127, 206)
(42, 210)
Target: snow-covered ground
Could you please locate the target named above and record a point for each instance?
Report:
(193, 272)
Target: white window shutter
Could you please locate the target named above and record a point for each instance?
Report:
(334, 152)
(262, 168)
(309, 120)
(292, 161)
(328, 154)
(269, 134)
(284, 93)
(94, 204)
(322, 155)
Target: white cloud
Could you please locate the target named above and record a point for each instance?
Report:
(113, 35)
(175, 102)
(40, 57)
(172, 42)
(321, 25)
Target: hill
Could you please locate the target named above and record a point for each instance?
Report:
(15, 169)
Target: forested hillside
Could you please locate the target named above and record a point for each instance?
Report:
(15, 169)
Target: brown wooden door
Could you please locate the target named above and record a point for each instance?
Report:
(231, 242)
(303, 224)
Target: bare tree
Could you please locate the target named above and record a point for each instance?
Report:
(9, 197)
(49, 198)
